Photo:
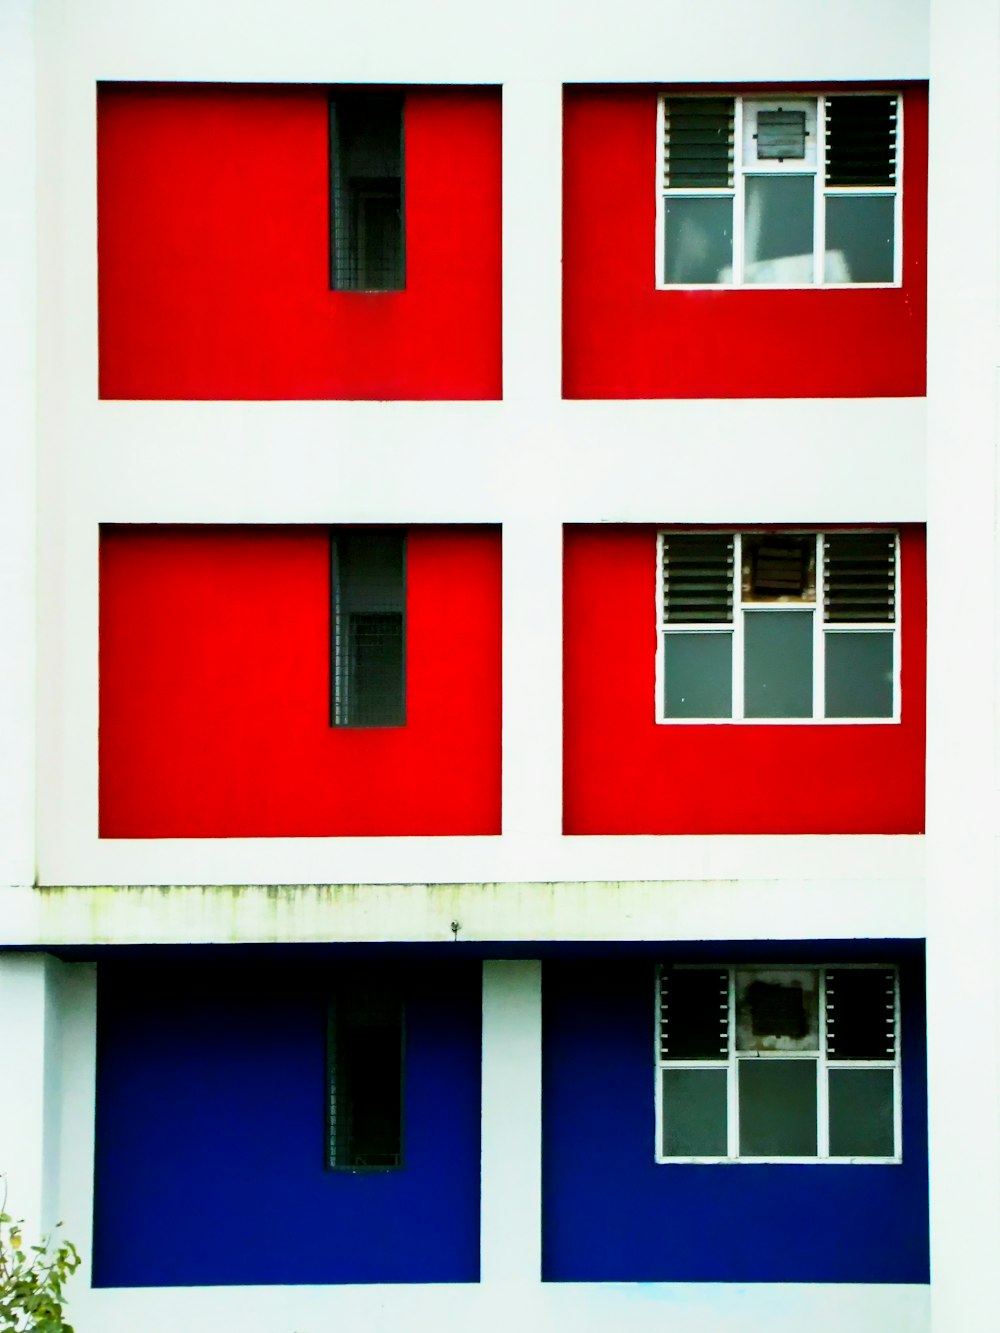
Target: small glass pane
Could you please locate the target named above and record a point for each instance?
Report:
(859, 673)
(777, 1108)
(694, 1112)
(778, 667)
(861, 1113)
(860, 238)
(779, 230)
(698, 675)
(698, 240)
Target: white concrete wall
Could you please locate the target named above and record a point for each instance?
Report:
(531, 462)
(963, 593)
(17, 443)
(32, 1009)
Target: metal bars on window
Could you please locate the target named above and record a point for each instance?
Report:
(367, 197)
(783, 1063)
(788, 190)
(364, 1080)
(368, 640)
(789, 626)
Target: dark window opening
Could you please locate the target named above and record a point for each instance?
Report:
(365, 1081)
(778, 568)
(369, 629)
(367, 251)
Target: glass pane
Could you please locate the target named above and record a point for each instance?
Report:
(694, 1112)
(779, 230)
(777, 1010)
(861, 1113)
(694, 1006)
(858, 674)
(698, 675)
(777, 1108)
(698, 240)
(860, 238)
(777, 678)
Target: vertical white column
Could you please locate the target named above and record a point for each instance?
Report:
(30, 1107)
(510, 1235)
(17, 443)
(962, 796)
(77, 1069)
(533, 461)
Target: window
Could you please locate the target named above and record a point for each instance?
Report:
(778, 625)
(369, 629)
(367, 252)
(365, 1080)
(780, 191)
(778, 1063)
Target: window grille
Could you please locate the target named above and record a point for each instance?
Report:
(364, 1080)
(369, 624)
(367, 250)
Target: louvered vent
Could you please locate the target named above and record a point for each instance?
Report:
(861, 140)
(694, 1014)
(698, 577)
(698, 138)
(860, 1014)
(859, 577)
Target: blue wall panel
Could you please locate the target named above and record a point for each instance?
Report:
(612, 1214)
(211, 1098)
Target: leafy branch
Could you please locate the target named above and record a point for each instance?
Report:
(32, 1278)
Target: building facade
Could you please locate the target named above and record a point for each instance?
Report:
(499, 805)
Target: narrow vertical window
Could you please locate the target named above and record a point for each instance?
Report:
(367, 249)
(365, 1081)
(369, 629)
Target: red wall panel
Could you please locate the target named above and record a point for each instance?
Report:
(624, 339)
(624, 773)
(215, 688)
(213, 240)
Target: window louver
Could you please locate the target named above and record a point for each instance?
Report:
(861, 141)
(698, 139)
(698, 578)
(694, 1014)
(859, 577)
(860, 1014)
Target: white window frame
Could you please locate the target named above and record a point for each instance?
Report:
(735, 629)
(743, 167)
(733, 1059)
